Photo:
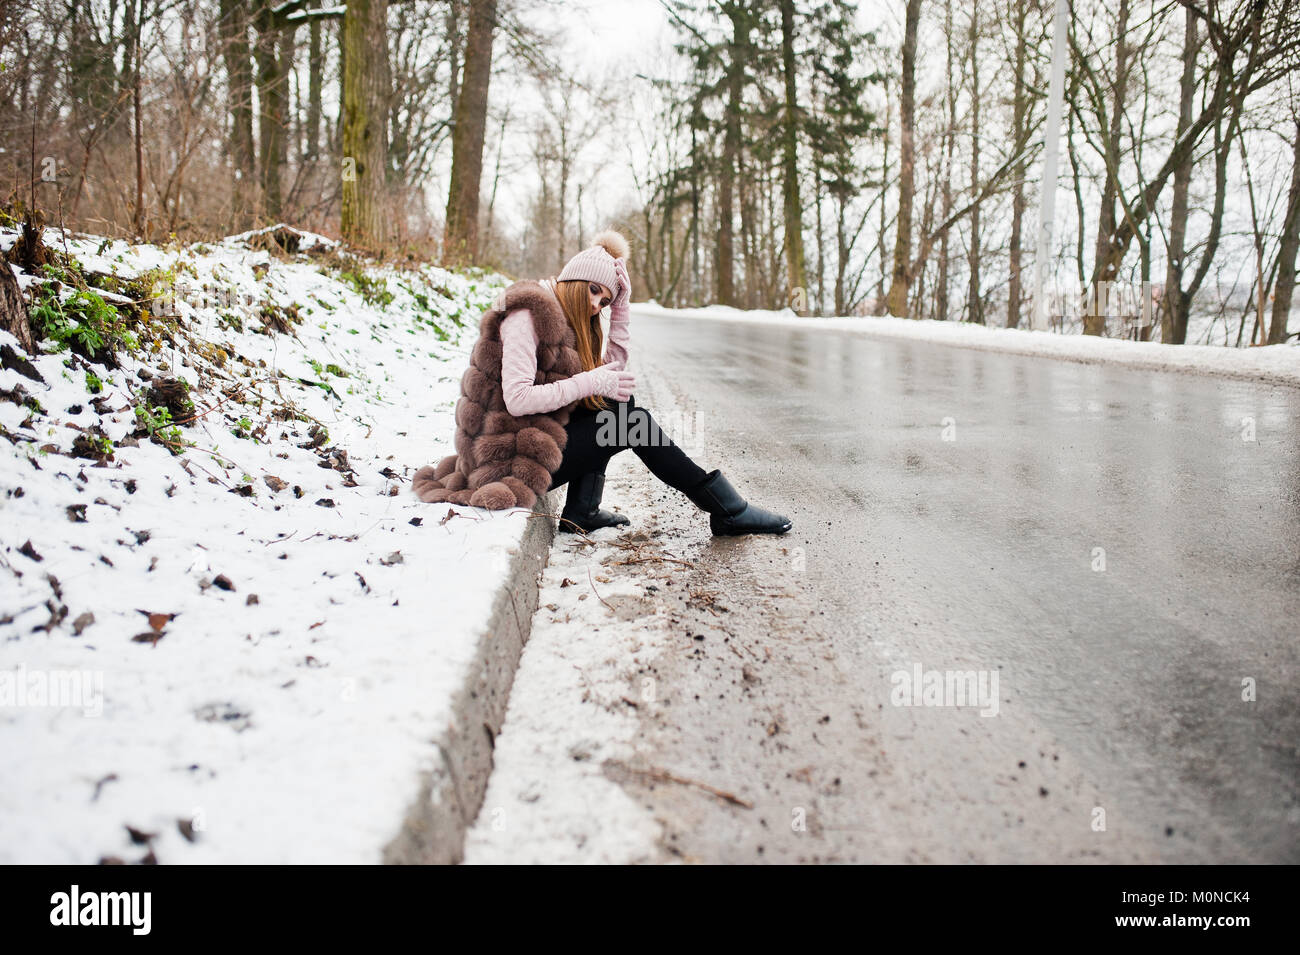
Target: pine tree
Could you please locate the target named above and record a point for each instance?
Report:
(840, 122)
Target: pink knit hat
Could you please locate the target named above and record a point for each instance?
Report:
(596, 263)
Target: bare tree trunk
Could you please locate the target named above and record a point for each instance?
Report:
(697, 283)
(566, 165)
(453, 52)
(1019, 120)
(1076, 177)
(1226, 124)
(794, 254)
(1094, 321)
(730, 157)
(274, 55)
(336, 128)
(750, 186)
(974, 305)
(365, 114)
(1257, 330)
(13, 311)
(882, 251)
(578, 203)
(1144, 306)
(139, 126)
(776, 240)
(821, 245)
(841, 253)
(898, 288)
(496, 172)
(285, 52)
(1175, 303)
(1286, 257)
(460, 239)
(315, 69)
(950, 144)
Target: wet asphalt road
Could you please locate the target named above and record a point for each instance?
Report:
(1103, 539)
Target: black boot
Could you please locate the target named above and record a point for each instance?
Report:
(582, 507)
(732, 514)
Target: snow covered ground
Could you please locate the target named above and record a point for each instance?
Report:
(549, 800)
(237, 653)
(1272, 363)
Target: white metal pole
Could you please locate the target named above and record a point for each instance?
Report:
(1047, 193)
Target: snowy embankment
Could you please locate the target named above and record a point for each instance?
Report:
(1277, 364)
(231, 639)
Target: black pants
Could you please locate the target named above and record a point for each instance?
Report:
(596, 436)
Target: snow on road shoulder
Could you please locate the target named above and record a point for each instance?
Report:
(573, 708)
(240, 651)
(1278, 364)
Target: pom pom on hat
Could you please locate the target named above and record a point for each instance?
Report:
(596, 262)
(613, 243)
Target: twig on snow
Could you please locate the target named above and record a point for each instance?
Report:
(597, 592)
(665, 776)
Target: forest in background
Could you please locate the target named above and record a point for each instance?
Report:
(830, 157)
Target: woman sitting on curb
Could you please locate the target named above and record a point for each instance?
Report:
(532, 411)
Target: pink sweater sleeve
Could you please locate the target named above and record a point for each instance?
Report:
(519, 371)
(619, 336)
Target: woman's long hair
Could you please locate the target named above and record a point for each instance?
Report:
(576, 302)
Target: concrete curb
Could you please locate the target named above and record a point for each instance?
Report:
(451, 792)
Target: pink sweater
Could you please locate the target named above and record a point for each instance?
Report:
(519, 364)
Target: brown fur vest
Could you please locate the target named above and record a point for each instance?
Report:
(501, 460)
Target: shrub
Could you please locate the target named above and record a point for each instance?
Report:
(82, 322)
(157, 423)
(374, 291)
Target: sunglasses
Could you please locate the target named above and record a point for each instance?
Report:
(595, 290)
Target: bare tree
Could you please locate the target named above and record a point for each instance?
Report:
(793, 209)
(365, 114)
(974, 304)
(1254, 45)
(901, 281)
(460, 242)
(1286, 269)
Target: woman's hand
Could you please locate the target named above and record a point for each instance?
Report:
(612, 383)
(624, 295)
